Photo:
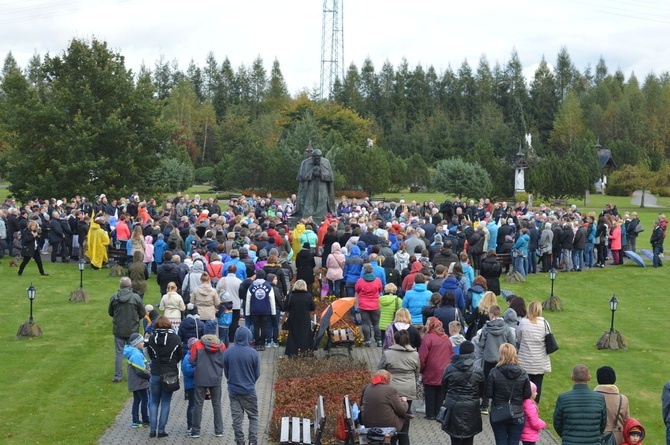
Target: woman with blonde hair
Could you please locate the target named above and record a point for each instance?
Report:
(172, 305)
(298, 306)
(478, 318)
(508, 383)
(533, 356)
(389, 304)
(402, 320)
(137, 241)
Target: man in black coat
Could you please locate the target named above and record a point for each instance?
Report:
(56, 238)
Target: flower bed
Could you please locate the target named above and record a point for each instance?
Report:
(300, 381)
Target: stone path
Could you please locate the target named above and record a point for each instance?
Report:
(422, 431)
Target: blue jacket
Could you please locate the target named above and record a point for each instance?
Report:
(492, 227)
(260, 298)
(138, 373)
(353, 266)
(241, 365)
(522, 244)
(415, 299)
(188, 370)
(451, 284)
(160, 247)
(190, 327)
(378, 271)
(241, 268)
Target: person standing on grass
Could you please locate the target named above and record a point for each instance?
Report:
(618, 411)
(580, 415)
(207, 356)
(126, 309)
(29, 237)
(242, 368)
(656, 241)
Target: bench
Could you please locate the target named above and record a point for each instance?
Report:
(361, 432)
(117, 254)
(558, 202)
(295, 430)
(504, 259)
(340, 338)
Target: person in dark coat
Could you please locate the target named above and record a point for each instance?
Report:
(392, 274)
(305, 264)
(508, 381)
(491, 270)
(29, 237)
(299, 304)
(580, 415)
(169, 272)
(57, 238)
(381, 406)
(464, 384)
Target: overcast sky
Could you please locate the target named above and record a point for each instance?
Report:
(632, 35)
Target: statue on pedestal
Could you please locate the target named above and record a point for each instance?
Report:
(316, 189)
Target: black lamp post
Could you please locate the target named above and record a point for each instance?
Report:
(31, 296)
(553, 303)
(117, 244)
(82, 266)
(30, 328)
(614, 303)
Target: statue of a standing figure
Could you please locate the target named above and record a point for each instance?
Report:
(316, 189)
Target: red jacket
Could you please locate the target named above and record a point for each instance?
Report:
(630, 423)
(368, 290)
(435, 355)
(279, 241)
(408, 282)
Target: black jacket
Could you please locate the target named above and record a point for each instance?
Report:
(464, 384)
(165, 351)
(55, 231)
(491, 270)
(566, 238)
(167, 272)
(507, 379)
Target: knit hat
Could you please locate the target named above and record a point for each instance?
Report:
(606, 375)
(211, 327)
(191, 309)
(467, 348)
(260, 274)
(135, 340)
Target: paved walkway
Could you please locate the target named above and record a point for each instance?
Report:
(422, 431)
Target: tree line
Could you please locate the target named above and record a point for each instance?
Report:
(83, 118)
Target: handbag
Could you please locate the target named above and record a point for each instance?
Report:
(504, 412)
(550, 343)
(341, 426)
(376, 434)
(608, 438)
(444, 414)
(169, 380)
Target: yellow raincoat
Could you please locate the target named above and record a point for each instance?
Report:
(295, 238)
(98, 240)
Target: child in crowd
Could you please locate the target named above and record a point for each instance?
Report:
(531, 429)
(188, 371)
(138, 379)
(455, 336)
(633, 432)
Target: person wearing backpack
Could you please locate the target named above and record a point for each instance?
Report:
(633, 229)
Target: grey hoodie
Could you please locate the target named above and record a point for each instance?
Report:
(512, 320)
(208, 361)
(192, 280)
(494, 334)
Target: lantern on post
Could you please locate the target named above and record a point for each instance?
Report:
(553, 303)
(80, 295)
(30, 328)
(612, 339)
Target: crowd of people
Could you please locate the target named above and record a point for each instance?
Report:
(426, 277)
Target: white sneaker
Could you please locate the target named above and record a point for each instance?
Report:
(275, 345)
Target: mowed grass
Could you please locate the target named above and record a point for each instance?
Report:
(57, 388)
(641, 318)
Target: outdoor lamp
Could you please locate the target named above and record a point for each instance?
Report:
(553, 303)
(82, 266)
(31, 296)
(552, 276)
(614, 303)
(117, 244)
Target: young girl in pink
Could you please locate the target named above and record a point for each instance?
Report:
(531, 430)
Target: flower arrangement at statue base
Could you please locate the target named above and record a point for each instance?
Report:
(301, 380)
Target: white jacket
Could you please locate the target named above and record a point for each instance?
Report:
(533, 356)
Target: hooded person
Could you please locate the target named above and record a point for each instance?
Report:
(191, 326)
(138, 273)
(305, 264)
(138, 378)
(97, 240)
(408, 282)
(631, 429)
(241, 366)
(353, 267)
(295, 236)
(192, 279)
(207, 357)
(177, 239)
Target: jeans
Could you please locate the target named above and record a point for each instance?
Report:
(234, 325)
(189, 409)
(215, 392)
(532, 261)
(162, 398)
(119, 343)
(273, 328)
(556, 259)
(602, 254)
(260, 325)
(370, 319)
(223, 334)
(657, 262)
(508, 433)
(488, 366)
(567, 259)
(520, 265)
(140, 404)
(334, 287)
(351, 289)
(434, 398)
(57, 246)
(588, 255)
(667, 434)
(239, 404)
(632, 241)
(577, 259)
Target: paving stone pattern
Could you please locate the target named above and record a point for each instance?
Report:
(422, 431)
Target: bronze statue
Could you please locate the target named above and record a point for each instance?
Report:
(316, 189)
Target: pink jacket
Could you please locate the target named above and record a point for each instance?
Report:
(615, 239)
(368, 289)
(531, 430)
